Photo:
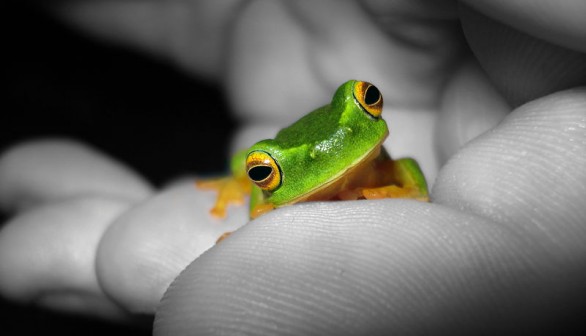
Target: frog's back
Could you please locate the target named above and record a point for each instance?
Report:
(314, 127)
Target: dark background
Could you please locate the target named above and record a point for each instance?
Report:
(140, 110)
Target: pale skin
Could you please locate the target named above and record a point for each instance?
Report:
(499, 249)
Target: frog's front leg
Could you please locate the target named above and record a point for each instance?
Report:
(231, 190)
(408, 181)
(257, 207)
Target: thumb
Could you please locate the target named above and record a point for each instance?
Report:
(366, 267)
(528, 173)
(501, 253)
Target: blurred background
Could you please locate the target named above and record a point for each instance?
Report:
(140, 110)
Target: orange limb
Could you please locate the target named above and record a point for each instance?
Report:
(394, 191)
(261, 209)
(385, 178)
(407, 181)
(230, 191)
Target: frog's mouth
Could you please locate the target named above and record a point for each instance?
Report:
(342, 180)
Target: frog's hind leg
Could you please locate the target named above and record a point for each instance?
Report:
(408, 181)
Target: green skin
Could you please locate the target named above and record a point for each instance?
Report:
(325, 142)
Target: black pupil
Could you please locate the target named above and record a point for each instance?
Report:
(372, 95)
(259, 173)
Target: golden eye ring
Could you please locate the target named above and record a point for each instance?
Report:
(262, 169)
(369, 98)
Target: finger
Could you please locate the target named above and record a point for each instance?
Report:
(528, 174)
(470, 106)
(367, 267)
(411, 134)
(560, 23)
(287, 58)
(522, 66)
(40, 171)
(146, 248)
(47, 256)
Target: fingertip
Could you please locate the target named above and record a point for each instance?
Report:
(47, 255)
(144, 250)
(527, 173)
(39, 171)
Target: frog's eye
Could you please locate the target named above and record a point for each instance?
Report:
(263, 170)
(369, 97)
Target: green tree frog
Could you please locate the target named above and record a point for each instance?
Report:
(333, 153)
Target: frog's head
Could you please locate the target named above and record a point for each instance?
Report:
(321, 146)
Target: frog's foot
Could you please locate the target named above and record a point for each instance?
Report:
(223, 236)
(261, 209)
(230, 191)
(394, 191)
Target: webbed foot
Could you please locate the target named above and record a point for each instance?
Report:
(230, 191)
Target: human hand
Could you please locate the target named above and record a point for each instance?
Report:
(83, 224)
(455, 193)
(498, 252)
